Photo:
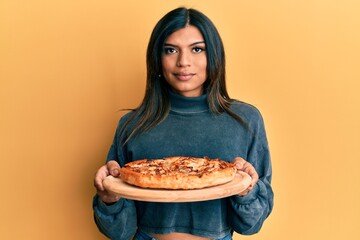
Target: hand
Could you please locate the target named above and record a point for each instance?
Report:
(111, 168)
(246, 167)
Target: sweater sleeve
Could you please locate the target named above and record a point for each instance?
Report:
(117, 221)
(248, 213)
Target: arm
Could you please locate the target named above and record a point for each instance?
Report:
(114, 216)
(248, 211)
(116, 221)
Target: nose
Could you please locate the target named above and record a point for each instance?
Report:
(184, 59)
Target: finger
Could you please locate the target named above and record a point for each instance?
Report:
(108, 197)
(100, 175)
(98, 184)
(249, 169)
(238, 159)
(255, 179)
(114, 168)
(239, 163)
(251, 186)
(243, 165)
(245, 192)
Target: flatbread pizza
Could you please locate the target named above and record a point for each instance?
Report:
(177, 172)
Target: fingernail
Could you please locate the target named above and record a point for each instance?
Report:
(115, 172)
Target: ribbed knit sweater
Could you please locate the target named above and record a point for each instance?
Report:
(191, 129)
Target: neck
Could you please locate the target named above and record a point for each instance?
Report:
(184, 104)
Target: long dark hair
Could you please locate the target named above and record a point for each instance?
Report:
(156, 104)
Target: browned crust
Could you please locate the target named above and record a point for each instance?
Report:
(178, 180)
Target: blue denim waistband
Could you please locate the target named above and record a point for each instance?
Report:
(143, 236)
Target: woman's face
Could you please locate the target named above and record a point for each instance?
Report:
(184, 61)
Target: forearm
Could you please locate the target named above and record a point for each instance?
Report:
(248, 213)
(116, 221)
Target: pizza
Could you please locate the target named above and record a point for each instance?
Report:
(177, 172)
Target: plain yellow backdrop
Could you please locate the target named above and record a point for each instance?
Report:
(67, 67)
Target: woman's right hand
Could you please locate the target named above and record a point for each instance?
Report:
(111, 168)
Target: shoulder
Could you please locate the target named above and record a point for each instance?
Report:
(124, 122)
(125, 117)
(248, 112)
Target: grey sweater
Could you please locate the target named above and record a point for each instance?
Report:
(191, 130)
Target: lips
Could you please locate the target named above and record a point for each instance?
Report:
(184, 76)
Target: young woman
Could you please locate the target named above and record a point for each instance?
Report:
(186, 111)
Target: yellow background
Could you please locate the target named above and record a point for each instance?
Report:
(67, 66)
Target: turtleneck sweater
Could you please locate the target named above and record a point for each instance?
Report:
(190, 129)
(188, 105)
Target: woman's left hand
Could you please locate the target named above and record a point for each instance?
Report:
(246, 167)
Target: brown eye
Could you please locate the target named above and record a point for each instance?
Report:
(169, 50)
(198, 49)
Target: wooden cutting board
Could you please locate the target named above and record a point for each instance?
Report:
(241, 181)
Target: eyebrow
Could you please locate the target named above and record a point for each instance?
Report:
(195, 43)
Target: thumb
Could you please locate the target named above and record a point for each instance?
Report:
(239, 163)
(114, 168)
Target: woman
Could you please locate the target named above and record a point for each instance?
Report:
(186, 111)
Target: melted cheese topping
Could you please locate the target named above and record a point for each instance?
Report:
(173, 166)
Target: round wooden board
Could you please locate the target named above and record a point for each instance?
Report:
(241, 181)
